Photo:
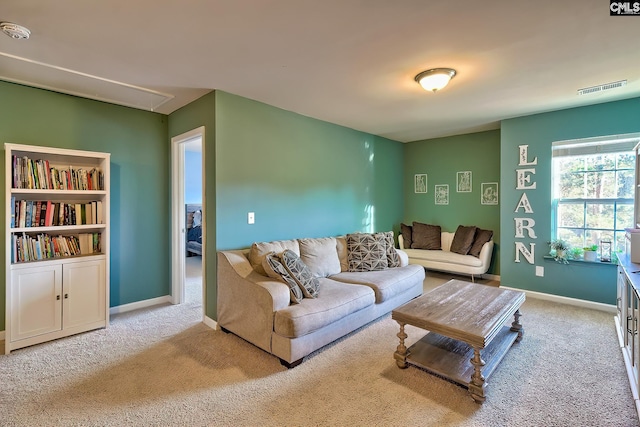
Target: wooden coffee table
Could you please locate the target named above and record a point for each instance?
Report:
(467, 333)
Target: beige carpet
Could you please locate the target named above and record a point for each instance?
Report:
(162, 367)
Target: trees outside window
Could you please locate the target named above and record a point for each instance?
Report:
(593, 198)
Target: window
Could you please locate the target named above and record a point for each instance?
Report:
(593, 190)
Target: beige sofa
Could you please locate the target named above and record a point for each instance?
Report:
(258, 308)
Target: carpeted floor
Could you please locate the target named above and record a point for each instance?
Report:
(161, 367)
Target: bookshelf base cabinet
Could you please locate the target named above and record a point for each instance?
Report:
(56, 300)
(57, 243)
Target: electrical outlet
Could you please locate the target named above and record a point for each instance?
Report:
(539, 271)
(251, 218)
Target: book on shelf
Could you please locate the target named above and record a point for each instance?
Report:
(26, 247)
(40, 174)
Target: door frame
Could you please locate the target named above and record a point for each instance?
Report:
(178, 220)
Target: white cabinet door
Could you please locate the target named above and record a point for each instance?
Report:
(36, 306)
(84, 300)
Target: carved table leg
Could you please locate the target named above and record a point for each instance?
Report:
(477, 385)
(401, 352)
(516, 326)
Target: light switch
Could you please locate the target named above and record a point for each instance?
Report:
(539, 271)
(251, 218)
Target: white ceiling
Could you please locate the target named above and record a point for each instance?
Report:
(350, 62)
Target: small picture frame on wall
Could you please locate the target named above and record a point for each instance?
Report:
(442, 194)
(489, 194)
(420, 183)
(464, 182)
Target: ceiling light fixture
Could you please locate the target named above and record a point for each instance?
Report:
(436, 78)
(15, 31)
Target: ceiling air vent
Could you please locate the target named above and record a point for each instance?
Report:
(603, 87)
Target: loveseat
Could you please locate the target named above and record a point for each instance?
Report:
(468, 251)
(268, 313)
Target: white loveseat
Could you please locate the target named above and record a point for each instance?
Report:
(451, 262)
(259, 309)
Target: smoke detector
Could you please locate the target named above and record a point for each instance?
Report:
(15, 31)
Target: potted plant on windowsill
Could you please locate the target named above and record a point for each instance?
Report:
(559, 249)
(591, 253)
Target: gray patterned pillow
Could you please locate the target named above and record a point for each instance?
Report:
(393, 259)
(275, 269)
(300, 273)
(366, 252)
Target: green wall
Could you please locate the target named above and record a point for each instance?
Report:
(577, 280)
(301, 176)
(441, 159)
(202, 112)
(139, 177)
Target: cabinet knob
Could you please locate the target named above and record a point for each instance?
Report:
(66, 296)
(57, 297)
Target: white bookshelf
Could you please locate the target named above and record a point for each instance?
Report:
(57, 263)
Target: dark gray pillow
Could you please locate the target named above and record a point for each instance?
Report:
(275, 269)
(482, 237)
(393, 259)
(365, 252)
(406, 235)
(426, 236)
(300, 273)
(463, 239)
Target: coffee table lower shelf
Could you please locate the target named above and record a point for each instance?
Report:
(451, 358)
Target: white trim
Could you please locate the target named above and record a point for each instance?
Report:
(139, 304)
(566, 300)
(210, 323)
(178, 251)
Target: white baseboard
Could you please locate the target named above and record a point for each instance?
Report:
(140, 304)
(566, 300)
(210, 322)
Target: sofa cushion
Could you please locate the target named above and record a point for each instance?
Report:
(444, 256)
(463, 239)
(300, 273)
(343, 252)
(320, 255)
(482, 237)
(275, 269)
(336, 301)
(425, 236)
(406, 231)
(260, 250)
(386, 283)
(366, 252)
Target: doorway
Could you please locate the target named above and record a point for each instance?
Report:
(187, 198)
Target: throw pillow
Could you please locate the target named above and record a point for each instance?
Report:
(300, 273)
(463, 239)
(366, 252)
(406, 231)
(275, 269)
(393, 259)
(320, 255)
(343, 253)
(260, 250)
(482, 237)
(426, 236)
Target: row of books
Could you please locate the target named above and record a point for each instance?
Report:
(40, 175)
(43, 246)
(32, 213)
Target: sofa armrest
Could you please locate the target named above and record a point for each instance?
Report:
(485, 253)
(247, 300)
(404, 257)
(401, 242)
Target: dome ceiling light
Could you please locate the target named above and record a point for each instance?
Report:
(15, 31)
(435, 79)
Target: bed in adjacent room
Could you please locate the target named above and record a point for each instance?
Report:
(194, 229)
